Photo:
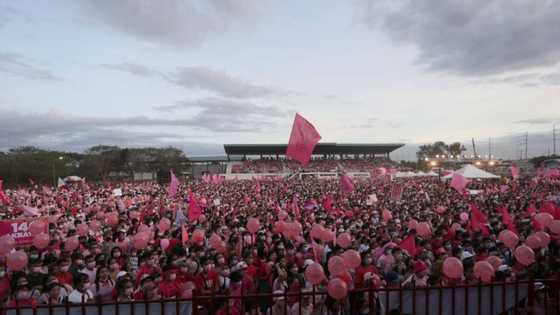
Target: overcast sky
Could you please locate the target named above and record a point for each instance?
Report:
(197, 74)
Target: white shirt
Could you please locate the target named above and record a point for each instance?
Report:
(78, 297)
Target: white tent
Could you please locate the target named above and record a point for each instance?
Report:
(432, 174)
(471, 171)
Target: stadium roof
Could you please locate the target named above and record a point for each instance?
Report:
(320, 149)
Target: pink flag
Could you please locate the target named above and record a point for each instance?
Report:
(328, 203)
(303, 139)
(30, 211)
(346, 184)
(459, 182)
(514, 171)
(396, 192)
(184, 234)
(173, 186)
(508, 220)
(194, 211)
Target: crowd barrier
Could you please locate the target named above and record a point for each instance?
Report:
(519, 297)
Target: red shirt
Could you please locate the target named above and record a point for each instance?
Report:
(145, 270)
(4, 288)
(169, 289)
(64, 278)
(361, 272)
(207, 281)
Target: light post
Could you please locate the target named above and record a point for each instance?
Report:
(60, 158)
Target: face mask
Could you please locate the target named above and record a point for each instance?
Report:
(64, 268)
(34, 256)
(2, 274)
(172, 277)
(221, 261)
(117, 255)
(91, 265)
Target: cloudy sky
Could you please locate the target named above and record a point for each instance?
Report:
(197, 74)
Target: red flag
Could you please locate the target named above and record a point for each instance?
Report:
(295, 207)
(396, 192)
(303, 139)
(409, 244)
(478, 220)
(328, 203)
(173, 186)
(459, 182)
(508, 220)
(346, 184)
(184, 234)
(194, 209)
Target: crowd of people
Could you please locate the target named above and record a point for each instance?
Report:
(316, 165)
(264, 236)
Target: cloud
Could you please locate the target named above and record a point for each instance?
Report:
(202, 78)
(539, 121)
(471, 38)
(6, 14)
(132, 68)
(67, 132)
(228, 115)
(218, 82)
(375, 122)
(17, 65)
(179, 23)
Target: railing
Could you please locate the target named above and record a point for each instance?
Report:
(520, 297)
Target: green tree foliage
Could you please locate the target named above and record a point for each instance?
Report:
(440, 148)
(20, 164)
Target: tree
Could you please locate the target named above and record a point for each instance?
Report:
(440, 148)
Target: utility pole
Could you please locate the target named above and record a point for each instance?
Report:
(526, 144)
(553, 139)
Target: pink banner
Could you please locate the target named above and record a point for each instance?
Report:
(19, 230)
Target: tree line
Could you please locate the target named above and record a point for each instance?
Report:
(26, 165)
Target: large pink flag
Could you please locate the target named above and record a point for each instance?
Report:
(173, 186)
(194, 211)
(303, 139)
(459, 182)
(346, 184)
(409, 244)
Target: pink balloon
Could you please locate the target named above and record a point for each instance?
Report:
(7, 243)
(554, 226)
(94, 225)
(464, 216)
(424, 229)
(123, 244)
(164, 224)
(386, 215)
(71, 244)
(495, 261)
(544, 237)
(352, 259)
(508, 238)
(484, 271)
(441, 209)
(253, 225)
(344, 240)
(280, 227)
(214, 240)
(346, 277)
(533, 241)
(100, 215)
(82, 229)
(141, 240)
(453, 268)
(412, 224)
(317, 231)
(17, 260)
(314, 273)
(41, 240)
(198, 237)
(164, 243)
(337, 289)
(37, 227)
(524, 255)
(544, 219)
(328, 236)
(112, 219)
(336, 265)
